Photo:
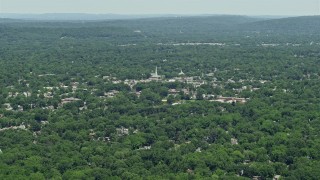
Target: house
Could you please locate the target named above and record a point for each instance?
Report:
(254, 89)
(210, 74)
(47, 107)
(41, 75)
(198, 83)
(231, 81)
(92, 133)
(74, 85)
(177, 103)
(27, 94)
(246, 161)
(185, 91)
(14, 95)
(69, 100)
(145, 148)
(20, 108)
(189, 80)
(116, 82)
(256, 177)
(234, 141)
(130, 83)
(111, 93)
(276, 177)
(230, 100)
(48, 95)
(122, 131)
(138, 93)
(106, 77)
(44, 122)
(63, 86)
(48, 88)
(208, 96)
(190, 171)
(173, 91)
(8, 106)
(22, 126)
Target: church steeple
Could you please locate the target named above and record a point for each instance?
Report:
(156, 72)
(155, 75)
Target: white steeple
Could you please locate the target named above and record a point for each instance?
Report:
(155, 75)
(156, 72)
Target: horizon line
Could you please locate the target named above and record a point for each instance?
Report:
(158, 14)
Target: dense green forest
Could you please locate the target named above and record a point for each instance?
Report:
(217, 97)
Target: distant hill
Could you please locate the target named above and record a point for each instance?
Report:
(164, 25)
(304, 24)
(75, 16)
(84, 16)
(171, 29)
(155, 23)
(186, 24)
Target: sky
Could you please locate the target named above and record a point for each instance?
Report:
(239, 7)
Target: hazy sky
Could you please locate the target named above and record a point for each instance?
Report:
(244, 7)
